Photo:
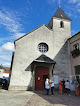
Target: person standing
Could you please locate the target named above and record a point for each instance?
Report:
(47, 86)
(76, 84)
(67, 87)
(60, 87)
(52, 87)
(63, 85)
(79, 87)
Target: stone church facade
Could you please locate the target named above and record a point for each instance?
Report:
(43, 52)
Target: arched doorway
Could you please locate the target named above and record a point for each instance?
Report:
(41, 73)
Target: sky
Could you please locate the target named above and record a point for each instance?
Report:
(18, 17)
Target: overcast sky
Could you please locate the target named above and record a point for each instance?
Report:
(18, 17)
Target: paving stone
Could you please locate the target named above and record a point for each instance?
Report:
(40, 99)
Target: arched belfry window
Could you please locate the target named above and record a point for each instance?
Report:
(61, 24)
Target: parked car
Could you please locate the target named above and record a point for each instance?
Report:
(4, 84)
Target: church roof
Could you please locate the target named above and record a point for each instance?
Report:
(32, 31)
(44, 58)
(60, 14)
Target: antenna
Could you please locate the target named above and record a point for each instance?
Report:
(59, 3)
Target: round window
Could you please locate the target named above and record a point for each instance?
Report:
(43, 47)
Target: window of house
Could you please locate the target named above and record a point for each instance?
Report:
(43, 47)
(77, 70)
(61, 24)
(76, 46)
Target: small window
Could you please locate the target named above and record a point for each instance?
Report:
(76, 46)
(43, 47)
(77, 70)
(61, 24)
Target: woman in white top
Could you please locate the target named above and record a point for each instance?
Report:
(67, 87)
(47, 86)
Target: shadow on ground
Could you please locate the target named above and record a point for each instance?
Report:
(41, 99)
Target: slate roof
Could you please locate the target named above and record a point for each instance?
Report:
(74, 35)
(60, 14)
(44, 58)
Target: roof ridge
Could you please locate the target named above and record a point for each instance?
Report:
(61, 14)
(32, 31)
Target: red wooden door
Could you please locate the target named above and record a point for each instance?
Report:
(39, 72)
(38, 82)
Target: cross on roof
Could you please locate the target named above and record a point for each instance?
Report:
(59, 3)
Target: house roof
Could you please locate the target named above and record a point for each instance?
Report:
(44, 58)
(6, 69)
(61, 14)
(74, 35)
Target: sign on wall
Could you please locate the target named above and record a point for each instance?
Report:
(38, 78)
(55, 79)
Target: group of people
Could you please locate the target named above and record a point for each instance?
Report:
(64, 87)
(49, 84)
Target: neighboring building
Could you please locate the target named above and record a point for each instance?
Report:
(75, 56)
(6, 71)
(43, 52)
(1, 71)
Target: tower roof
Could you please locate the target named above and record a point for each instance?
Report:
(60, 14)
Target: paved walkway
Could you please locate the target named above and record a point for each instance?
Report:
(40, 99)
(9, 98)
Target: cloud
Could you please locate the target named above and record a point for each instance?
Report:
(78, 5)
(17, 35)
(51, 1)
(11, 24)
(6, 64)
(73, 1)
(8, 46)
(73, 32)
(5, 57)
(2, 40)
(79, 10)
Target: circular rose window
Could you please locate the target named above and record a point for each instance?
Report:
(43, 47)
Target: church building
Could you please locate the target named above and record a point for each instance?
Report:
(42, 53)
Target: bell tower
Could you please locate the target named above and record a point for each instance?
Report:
(60, 24)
